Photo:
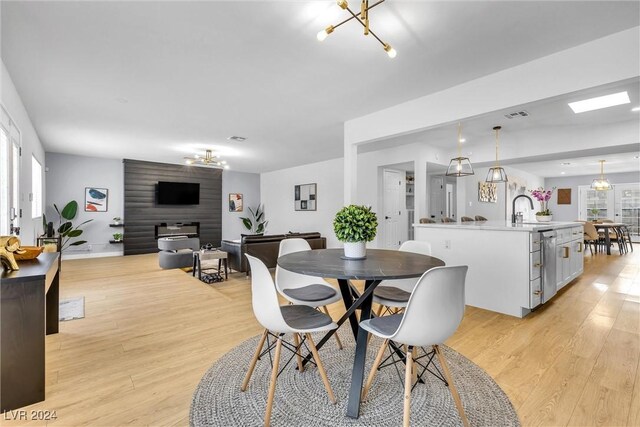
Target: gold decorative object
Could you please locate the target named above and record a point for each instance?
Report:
(209, 159)
(28, 252)
(459, 166)
(601, 183)
(8, 246)
(497, 173)
(487, 192)
(363, 19)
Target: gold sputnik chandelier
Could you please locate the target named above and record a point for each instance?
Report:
(209, 159)
(363, 19)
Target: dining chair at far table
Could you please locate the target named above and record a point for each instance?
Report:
(394, 294)
(467, 219)
(302, 289)
(591, 236)
(480, 218)
(299, 320)
(433, 314)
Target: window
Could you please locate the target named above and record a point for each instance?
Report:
(36, 188)
(9, 172)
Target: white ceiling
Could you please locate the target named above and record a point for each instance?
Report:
(158, 80)
(549, 123)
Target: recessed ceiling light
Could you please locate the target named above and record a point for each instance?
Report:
(635, 109)
(562, 173)
(463, 140)
(237, 138)
(565, 164)
(600, 102)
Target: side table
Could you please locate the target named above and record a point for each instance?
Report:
(203, 255)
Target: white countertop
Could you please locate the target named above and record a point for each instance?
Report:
(501, 225)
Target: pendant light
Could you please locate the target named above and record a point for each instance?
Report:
(601, 183)
(497, 174)
(459, 166)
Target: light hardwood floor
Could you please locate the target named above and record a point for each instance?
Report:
(149, 335)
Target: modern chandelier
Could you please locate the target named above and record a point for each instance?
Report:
(496, 173)
(459, 166)
(363, 19)
(601, 183)
(209, 159)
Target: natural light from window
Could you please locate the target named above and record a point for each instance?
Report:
(36, 188)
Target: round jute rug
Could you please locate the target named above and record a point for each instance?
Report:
(301, 399)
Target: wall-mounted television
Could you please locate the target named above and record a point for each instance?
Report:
(178, 193)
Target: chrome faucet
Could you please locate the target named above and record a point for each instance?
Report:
(513, 206)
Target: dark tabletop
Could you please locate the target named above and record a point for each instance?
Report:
(608, 224)
(380, 264)
(32, 269)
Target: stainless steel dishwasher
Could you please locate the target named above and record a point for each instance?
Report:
(548, 257)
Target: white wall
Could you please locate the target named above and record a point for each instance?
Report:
(248, 184)
(276, 192)
(570, 212)
(502, 209)
(31, 145)
(67, 176)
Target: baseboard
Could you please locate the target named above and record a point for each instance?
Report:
(91, 255)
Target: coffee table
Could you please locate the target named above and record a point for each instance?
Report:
(205, 254)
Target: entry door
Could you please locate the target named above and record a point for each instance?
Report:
(627, 207)
(392, 199)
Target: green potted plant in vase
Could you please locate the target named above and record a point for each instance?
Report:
(256, 224)
(117, 237)
(355, 226)
(543, 196)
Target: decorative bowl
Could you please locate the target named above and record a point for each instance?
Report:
(30, 252)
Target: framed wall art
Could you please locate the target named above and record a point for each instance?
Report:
(564, 196)
(487, 192)
(235, 202)
(305, 197)
(96, 199)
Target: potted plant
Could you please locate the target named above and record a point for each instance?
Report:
(117, 220)
(66, 229)
(543, 196)
(117, 237)
(256, 224)
(355, 226)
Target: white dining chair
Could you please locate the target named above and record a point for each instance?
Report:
(302, 289)
(394, 294)
(280, 320)
(434, 311)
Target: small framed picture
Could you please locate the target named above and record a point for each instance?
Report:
(235, 202)
(305, 197)
(96, 199)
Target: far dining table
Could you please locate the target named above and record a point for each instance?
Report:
(608, 226)
(379, 265)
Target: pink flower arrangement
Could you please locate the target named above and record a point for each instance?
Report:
(543, 196)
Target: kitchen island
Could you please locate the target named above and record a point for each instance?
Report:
(513, 268)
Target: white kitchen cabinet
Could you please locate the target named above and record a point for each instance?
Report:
(506, 271)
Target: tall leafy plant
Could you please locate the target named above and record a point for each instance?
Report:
(256, 224)
(66, 229)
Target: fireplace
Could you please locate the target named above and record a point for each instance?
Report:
(188, 229)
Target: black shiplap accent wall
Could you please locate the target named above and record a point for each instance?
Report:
(141, 213)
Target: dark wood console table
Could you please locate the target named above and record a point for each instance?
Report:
(29, 310)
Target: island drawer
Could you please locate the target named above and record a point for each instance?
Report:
(534, 265)
(535, 293)
(534, 242)
(577, 233)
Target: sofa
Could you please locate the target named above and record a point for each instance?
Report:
(264, 247)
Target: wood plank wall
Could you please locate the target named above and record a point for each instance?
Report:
(142, 213)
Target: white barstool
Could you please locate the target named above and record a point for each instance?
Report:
(434, 311)
(278, 321)
(302, 289)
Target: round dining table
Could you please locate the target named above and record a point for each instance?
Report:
(379, 265)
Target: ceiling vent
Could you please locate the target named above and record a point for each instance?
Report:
(517, 114)
(237, 138)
